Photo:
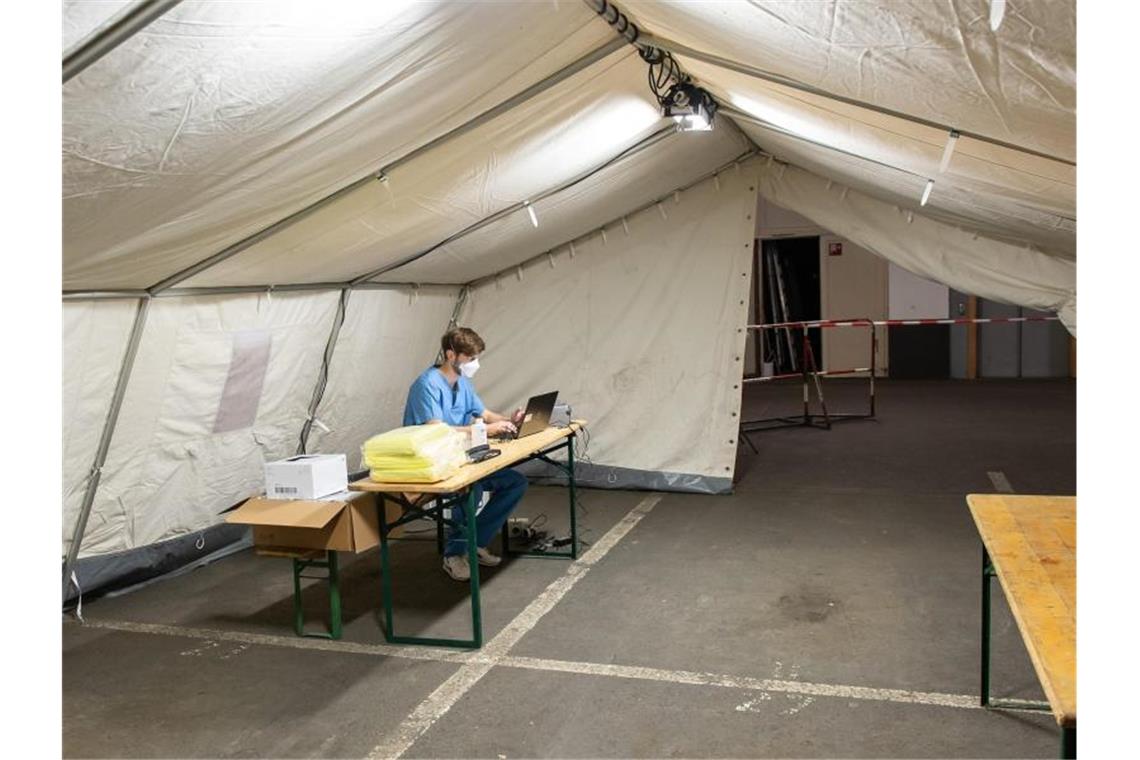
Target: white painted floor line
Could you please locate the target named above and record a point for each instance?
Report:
(290, 642)
(452, 690)
(476, 664)
(962, 701)
(965, 701)
(1000, 481)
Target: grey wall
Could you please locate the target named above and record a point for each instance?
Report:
(1029, 349)
(1044, 347)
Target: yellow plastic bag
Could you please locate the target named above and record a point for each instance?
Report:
(406, 441)
(415, 454)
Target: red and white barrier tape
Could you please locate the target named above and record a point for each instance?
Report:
(899, 322)
(810, 372)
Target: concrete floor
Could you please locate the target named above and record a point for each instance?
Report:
(830, 607)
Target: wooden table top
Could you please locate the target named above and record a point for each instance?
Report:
(512, 451)
(1032, 542)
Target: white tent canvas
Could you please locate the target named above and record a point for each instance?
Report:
(271, 211)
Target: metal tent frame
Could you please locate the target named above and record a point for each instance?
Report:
(165, 287)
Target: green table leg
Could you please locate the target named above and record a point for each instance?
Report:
(572, 553)
(298, 611)
(334, 594)
(1068, 743)
(573, 500)
(332, 577)
(987, 574)
(385, 572)
(390, 634)
(473, 564)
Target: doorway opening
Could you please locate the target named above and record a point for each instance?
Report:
(788, 289)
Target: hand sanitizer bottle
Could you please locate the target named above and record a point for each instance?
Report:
(478, 432)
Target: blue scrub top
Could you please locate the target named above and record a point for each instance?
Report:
(431, 397)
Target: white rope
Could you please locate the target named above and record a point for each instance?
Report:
(79, 602)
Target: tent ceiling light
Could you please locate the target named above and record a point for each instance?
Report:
(997, 13)
(926, 192)
(690, 106)
(948, 151)
(530, 210)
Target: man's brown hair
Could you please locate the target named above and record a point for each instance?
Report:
(462, 340)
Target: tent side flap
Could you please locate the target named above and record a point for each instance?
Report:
(220, 386)
(949, 255)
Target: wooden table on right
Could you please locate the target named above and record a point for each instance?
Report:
(1030, 544)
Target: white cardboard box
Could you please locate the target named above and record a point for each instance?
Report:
(306, 476)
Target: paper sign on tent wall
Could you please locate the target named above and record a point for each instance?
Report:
(242, 393)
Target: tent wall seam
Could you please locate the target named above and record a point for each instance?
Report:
(633, 150)
(94, 477)
(117, 31)
(754, 151)
(323, 375)
(580, 64)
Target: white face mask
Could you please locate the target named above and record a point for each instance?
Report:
(468, 369)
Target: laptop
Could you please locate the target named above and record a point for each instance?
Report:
(536, 418)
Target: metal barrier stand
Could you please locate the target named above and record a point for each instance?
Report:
(332, 576)
(810, 369)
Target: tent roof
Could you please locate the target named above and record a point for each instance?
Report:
(221, 119)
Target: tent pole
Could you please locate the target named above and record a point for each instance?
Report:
(582, 63)
(736, 113)
(724, 63)
(222, 290)
(125, 368)
(120, 29)
(460, 301)
(323, 376)
(634, 149)
(103, 295)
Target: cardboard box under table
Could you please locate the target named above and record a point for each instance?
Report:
(310, 533)
(428, 500)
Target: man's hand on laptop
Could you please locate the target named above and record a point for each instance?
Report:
(517, 417)
(502, 427)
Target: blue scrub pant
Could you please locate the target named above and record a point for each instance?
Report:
(507, 488)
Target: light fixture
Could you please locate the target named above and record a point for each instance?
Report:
(997, 13)
(948, 151)
(690, 106)
(926, 192)
(530, 210)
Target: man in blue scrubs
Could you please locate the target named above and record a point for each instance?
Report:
(444, 393)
